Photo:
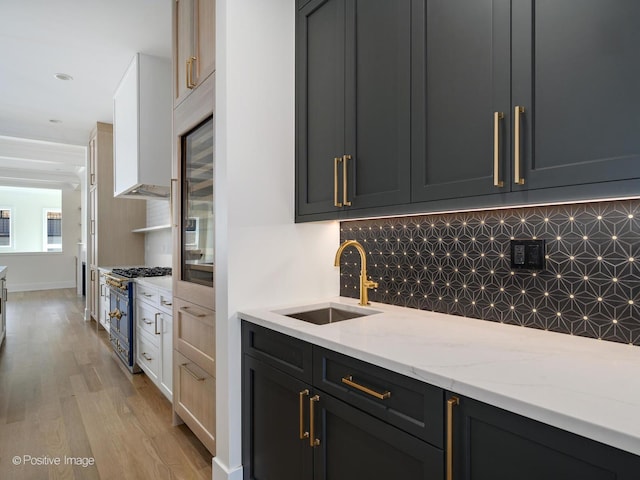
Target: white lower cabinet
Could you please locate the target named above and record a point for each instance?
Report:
(154, 335)
(104, 320)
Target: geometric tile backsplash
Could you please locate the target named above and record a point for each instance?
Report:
(459, 264)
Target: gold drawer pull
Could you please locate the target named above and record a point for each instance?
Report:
(146, 356)
(348, 380)
(301, 395)
(190, 83)
(199, 379)
(313, 442)
(452, 402)
(188, 311)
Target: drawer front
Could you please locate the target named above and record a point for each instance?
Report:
(165, 301)
(149, 321)
(194, 333)
(406, 403)
(148, 355)
(291, 355)
(147, 294)
(194, 399)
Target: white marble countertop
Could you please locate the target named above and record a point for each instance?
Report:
(586, 386)
(3, 271)
(158, 282)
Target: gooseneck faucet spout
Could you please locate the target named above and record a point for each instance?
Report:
(365, 284)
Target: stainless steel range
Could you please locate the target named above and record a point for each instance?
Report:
(121, 308)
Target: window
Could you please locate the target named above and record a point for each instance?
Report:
(53, 230)
(30, 220)
(5, 227)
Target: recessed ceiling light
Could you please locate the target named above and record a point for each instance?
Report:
(63, 76)
(55, 120)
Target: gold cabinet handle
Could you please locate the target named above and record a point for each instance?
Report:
(518, 111)
(155, 329)
(199, 379)
(301, 395)
(190, 83)
(348, 380)
(452, 402)
(346, 202)
(497, 116)
(188, 311)
(336, 162)
(116, 313)
(313, 442)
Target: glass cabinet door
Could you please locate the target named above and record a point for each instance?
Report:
(197, 205)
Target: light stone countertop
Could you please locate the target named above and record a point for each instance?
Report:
(157, 282)
(3, 271)
(586, 386)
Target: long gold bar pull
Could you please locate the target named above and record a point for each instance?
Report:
(346, 202)
(190, 83)
(171, 204)
(336, 162)
(518, 111)
(302, 394)
(452, 402)
(497, 116)
(348, 380)
(313, 442)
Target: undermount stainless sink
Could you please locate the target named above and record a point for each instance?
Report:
(322, 315)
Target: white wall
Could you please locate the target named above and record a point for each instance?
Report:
(157, 244)
(43, 271)
(262, 257)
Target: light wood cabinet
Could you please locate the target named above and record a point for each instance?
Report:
(192, 213)
(193, 45)
(111, 220)
(195, 399)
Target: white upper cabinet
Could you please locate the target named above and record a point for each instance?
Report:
(142, 109)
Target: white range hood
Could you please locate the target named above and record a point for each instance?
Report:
(142, 107)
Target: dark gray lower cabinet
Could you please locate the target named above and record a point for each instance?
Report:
(295, 394)
(355, 445)
(492, 444)
(278, 410)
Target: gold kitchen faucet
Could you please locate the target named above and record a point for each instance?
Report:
(365, 284)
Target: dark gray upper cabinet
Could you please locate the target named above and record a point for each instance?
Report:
(462, 79)
(353, 104)
(458, 104)
(575, 71)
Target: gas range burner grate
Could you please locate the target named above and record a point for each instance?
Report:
(142, 272)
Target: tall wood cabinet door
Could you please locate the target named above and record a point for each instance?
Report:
(320, 32)
(354, 445)
(272, 447)
(378, 101)
(205, 36)
(184, 45)
(575, 72)
(462, 79)
(93, 227)
(491, 443)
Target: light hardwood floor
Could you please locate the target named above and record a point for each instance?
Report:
(62, 394)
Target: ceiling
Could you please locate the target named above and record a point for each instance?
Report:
(91, 40)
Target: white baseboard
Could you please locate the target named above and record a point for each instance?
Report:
(30, 287)
(222, 472)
